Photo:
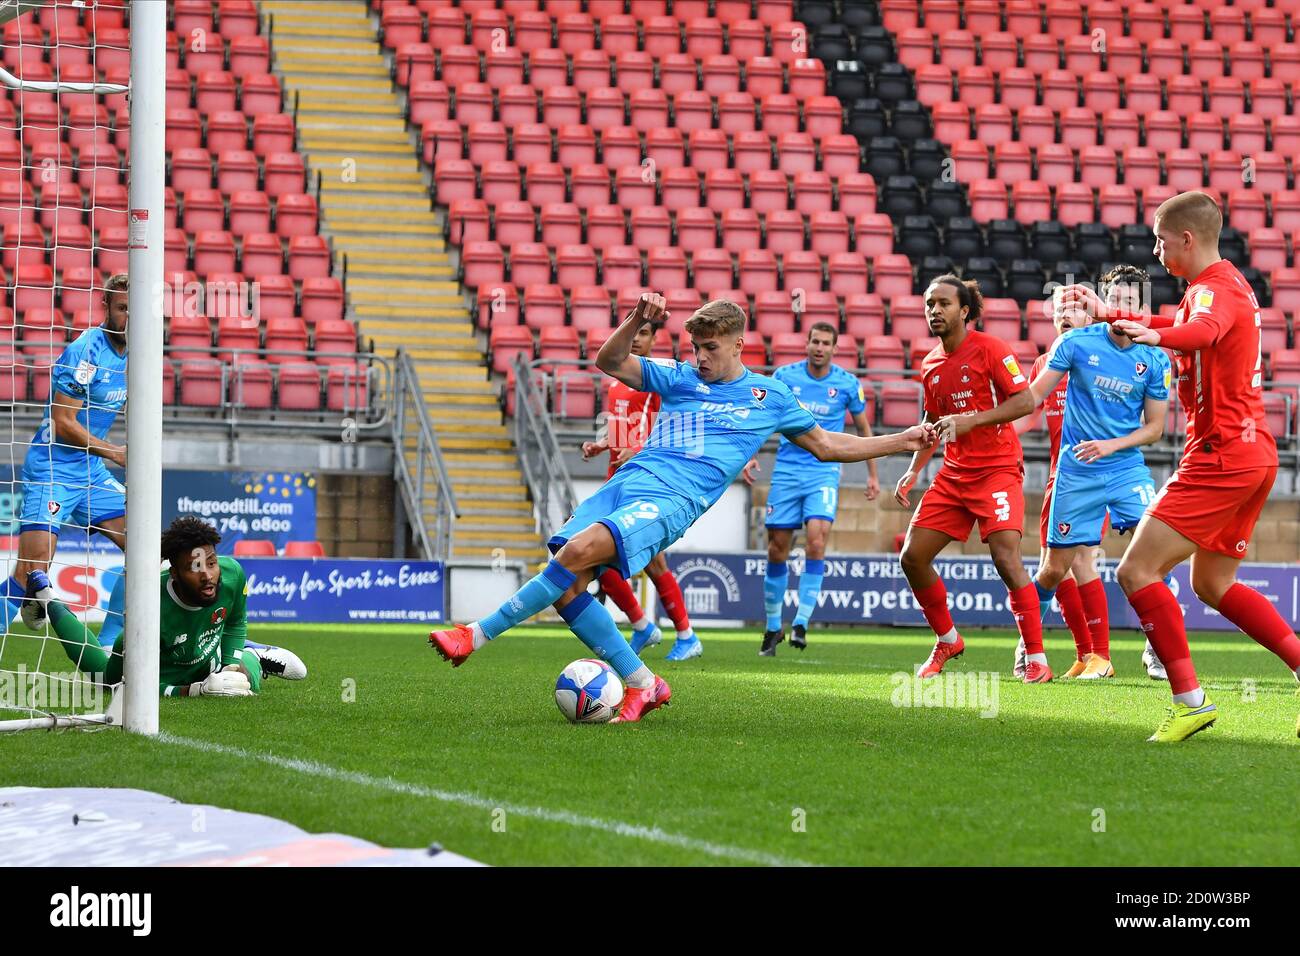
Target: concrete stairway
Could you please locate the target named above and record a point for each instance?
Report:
(375, 207)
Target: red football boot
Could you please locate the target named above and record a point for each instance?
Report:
(637, 703)
(454, 645)
(1036, 673)
(941, 654)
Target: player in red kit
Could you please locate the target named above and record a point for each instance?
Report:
(973, 390)
(630, 414)
(1208, 509)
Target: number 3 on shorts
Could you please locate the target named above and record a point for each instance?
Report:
(1001, 506)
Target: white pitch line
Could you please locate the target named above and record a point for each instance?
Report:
(616, 827)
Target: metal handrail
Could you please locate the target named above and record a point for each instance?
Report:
(436, 543)
(372, 418)
(540, 456)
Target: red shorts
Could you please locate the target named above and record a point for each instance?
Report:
(1047, 511)
(1216, 510)
(952, 505)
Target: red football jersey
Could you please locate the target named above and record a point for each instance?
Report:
(631, 416)
(1053, 407)
(1221, 386)
(980, 375)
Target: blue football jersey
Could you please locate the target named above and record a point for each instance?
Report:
(1107, 390)
(91, 370)
(706, 432)
(827, 399)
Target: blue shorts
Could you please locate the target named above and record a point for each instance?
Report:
(792, 504)
(1081, 500)
(55, 498)
(643, 514)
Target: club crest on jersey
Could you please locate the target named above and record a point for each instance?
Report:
(832, 392)
(218, 615)
(965, 371)
(1063, 527)
(1140, 368)
(759, 394)
(54, 507)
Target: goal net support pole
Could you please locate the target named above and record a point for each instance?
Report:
(145, 210)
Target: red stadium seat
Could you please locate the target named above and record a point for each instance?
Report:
(303, 549)
(259, 93)
(309, 256)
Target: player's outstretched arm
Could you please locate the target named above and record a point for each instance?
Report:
(1192, 336)
(1044, 385)
(69, 431)
(1017, 406)
(1154, 412)
(843, 447)
(615, 357)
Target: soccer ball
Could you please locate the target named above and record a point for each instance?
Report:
(588, 692)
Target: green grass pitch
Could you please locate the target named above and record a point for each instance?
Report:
(800, 759)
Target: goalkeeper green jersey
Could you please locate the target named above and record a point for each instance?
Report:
(199, 640)
(194, 641)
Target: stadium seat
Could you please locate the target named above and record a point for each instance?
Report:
(304, 549)
(201, 383)
(255, 548)
(309, 256)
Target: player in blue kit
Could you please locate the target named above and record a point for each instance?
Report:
(714, 416)
(65, 478)
(805, 492)
(1116, 401)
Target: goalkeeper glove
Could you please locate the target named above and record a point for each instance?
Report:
(223, 684)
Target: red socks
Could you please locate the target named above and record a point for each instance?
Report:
(671, 595)
(1067, 595)
(612, 583)
(934, 605)
(1255, 614)
(1097, 613)
(1162, 619)
(1029, 617)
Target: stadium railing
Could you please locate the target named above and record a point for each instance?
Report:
(419, 466)
(540, 454)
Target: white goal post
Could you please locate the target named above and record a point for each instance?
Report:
(137, 708)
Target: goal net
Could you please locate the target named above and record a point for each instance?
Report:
(81, 201)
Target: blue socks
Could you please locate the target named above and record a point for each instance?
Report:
(596, 628)
(1044, 599)
(810, 587)
(774, 585)
(538, 593)
(113, 619)
(12, 602)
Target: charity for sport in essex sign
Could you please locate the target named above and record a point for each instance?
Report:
(337, 590)
(871, 590)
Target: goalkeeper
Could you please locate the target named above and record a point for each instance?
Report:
(202, 617)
